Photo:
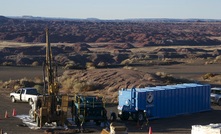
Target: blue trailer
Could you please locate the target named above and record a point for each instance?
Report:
(163, 101)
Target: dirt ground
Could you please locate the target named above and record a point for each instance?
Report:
(174, 125)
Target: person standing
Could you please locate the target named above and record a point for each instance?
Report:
(81, 120)
(113, 117)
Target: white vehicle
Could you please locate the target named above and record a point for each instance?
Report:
(28, 94)
(215, 95)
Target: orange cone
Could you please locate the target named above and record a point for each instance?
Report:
(150, 130)
(6, 114)
(13, 112)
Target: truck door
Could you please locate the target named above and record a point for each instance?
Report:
(22, 95)
(17, 94)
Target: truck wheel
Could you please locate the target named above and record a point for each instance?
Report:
(30, 101)
(125, 116)
(140, 116)
(219, 102)
(13, 99)
(134, 116)
(98, 123)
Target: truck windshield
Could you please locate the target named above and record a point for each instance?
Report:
(32, 91)
(216, 91)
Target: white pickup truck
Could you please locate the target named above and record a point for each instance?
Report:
(25, 95)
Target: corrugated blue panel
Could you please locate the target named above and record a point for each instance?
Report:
(206, 98)
(188, 100)
(159, 102)
(163, 105)
(199, 96)
(182, 105)
(177, 101)
(196, 88)
(192, 98)
(182, 98)
(169, 100)
(173, 101)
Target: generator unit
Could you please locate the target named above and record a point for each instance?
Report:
(92, 108)
(163, 101)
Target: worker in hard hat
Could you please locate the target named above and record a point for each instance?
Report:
(113, 116)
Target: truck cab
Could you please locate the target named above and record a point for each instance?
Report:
(215, 95)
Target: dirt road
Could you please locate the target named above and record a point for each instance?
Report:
(13, 125)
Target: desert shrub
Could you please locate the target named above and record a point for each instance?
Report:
(38, 80)
(161, 74)
(11, 84)
(70, 65)
(208, 62)
(72, 84)
(218, 57)
(35, 63)
(24, 82)
(7, 63)
(16, 87)
(129, 68)
(102, 64)
(126, 62)
(90, 65)
(115, 96)
(111, 90)
(82, 86)
(39, 88)
(208, 76)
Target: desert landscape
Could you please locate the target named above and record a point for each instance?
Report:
(105, 56)
(97, 57)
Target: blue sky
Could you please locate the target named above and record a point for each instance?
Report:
(113, 9)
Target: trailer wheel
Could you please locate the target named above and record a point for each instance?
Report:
(125, 116)
(219, 102)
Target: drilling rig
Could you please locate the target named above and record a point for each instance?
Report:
(50, 107)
